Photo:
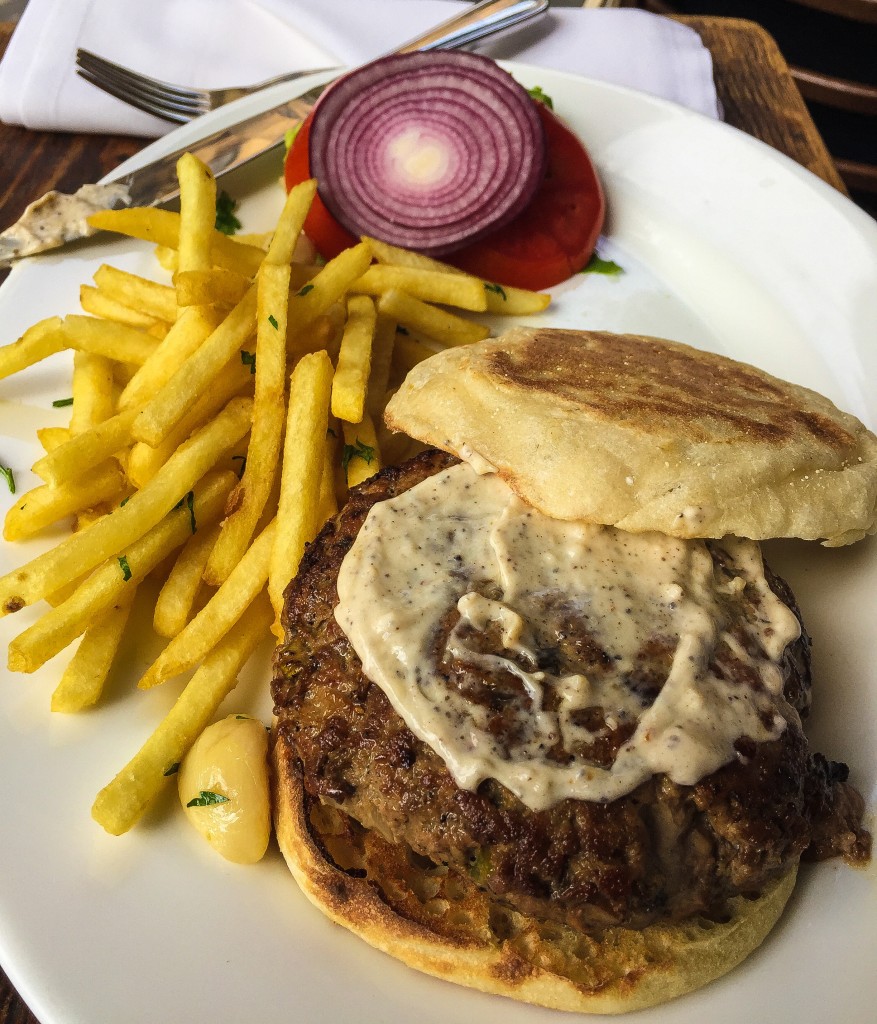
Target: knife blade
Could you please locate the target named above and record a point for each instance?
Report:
(57, 218)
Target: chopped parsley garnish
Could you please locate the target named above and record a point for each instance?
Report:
(330, 432)
(124, 501)
(59, 403)
(243, 461)
(206, 797)
(10, 479)
(190, 505)
(305, 289)
(357, 451)
(189, 502)
(226, 222)
(174, 768)
(242, 718)
(496, 289)
(126, 569)
(249, 359)
(596, 265)
(273, 321)
(539, 96)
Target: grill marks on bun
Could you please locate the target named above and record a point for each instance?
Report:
(672, 388)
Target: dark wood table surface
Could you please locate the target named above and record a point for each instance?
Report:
(752, 80)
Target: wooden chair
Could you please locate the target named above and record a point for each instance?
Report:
(831, 49)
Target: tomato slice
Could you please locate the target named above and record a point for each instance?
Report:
(320, 226)
(549, 242)
(553, 238)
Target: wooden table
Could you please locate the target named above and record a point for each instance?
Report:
(752, 80)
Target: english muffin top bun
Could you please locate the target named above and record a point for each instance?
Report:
(539, 712)
(647, 434)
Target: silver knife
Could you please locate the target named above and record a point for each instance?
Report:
(56, 218)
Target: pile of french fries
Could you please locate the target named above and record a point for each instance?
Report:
(217, 421)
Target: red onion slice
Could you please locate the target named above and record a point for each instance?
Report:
(428, 151)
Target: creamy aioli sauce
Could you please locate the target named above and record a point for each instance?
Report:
(463, 542)
(58, 217)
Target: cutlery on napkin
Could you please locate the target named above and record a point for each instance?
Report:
(232, 42)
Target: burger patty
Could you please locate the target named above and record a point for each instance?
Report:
(662, 852)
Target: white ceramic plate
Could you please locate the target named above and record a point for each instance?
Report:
(726, 245)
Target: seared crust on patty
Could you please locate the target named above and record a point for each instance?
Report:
(662, 853)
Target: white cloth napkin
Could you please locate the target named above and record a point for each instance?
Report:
(233, 42)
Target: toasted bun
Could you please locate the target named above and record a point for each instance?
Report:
(443, 925)
(646, 434)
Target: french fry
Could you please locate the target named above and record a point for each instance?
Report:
(263, 453)
(328, 500)
(362, 457)
(61, 595)
(162, 412)
(160, 407)
(177, 597)
(167, 258)
(408, 352)
(290, 223)
(354, 360)
(75, 555)
(382, 358)
(45, 505)
(321, 335)
(458, 290)
(214, 287)
(87, 516)
(395, 256)
(144, 461)
(51, 438)
(261, 239)
(197, 213)
(504, 300)
(443, 327)
(71, 617)
(106, 338)
(84, 451)
(217, 617)
(302, 469)
(163, 228)
(39, 342)
(190, 330)
(94, 391)
(121, 803)
(98, 303)
(301, 273)
(83, 679)
(139, 293)
(501, 298)
(333, 280)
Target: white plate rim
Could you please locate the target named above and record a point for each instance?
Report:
(46, 1000)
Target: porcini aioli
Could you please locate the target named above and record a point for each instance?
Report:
(461, 546)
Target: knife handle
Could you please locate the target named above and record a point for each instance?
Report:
(482, 19)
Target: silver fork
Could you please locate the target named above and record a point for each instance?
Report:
(176, 103)
(180, 104)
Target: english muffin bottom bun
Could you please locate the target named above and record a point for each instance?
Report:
(442, 924)
(529, 751)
